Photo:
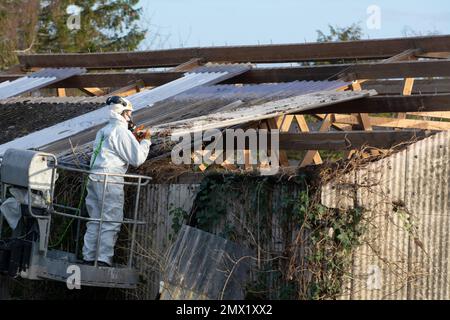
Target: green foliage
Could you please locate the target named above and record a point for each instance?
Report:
(179, 217)
(14, 34)
(333, 234)
(105, 26)
(336, 33)
(327, 237)
(212, 200)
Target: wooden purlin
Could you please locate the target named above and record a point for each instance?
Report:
(348, 140)
(438, 115)
(396, 87)
(362, 49)
(386, 104)
(394, 70)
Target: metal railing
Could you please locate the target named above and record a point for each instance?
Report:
(142, 181)
(57, 209)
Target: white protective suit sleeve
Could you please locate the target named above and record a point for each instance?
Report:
(130, 150)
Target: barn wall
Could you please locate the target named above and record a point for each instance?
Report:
(405, 252)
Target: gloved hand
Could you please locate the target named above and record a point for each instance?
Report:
(147, 134)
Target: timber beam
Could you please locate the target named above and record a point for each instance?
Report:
(386, 104)
(349, 140)
(393, 70)
(330, 51)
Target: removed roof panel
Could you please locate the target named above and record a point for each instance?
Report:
(36, 81)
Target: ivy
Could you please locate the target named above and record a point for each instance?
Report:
(327, 239)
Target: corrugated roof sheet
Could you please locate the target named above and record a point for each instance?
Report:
(258, 91)
(53, 100)
(37, 80)
(205, 75)
(191, 116)
(140, 100)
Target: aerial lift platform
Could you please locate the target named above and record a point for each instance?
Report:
(25, 252)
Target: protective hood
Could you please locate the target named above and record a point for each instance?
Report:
(115, 117)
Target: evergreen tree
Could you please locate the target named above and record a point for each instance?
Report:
(15, 35)
(104, 26)
(353, 32)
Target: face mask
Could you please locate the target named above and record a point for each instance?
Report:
(131, 125)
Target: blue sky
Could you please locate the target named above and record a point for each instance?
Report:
(188, 23)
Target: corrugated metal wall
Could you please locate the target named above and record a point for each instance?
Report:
(404, 254)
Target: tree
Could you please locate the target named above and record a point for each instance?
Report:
(353, 32)
(105, 25)
(16, 35)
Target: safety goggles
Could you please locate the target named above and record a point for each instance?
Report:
(116, 100)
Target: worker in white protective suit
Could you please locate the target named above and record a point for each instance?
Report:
(115, 148)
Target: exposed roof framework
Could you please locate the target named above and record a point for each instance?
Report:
(411, 77)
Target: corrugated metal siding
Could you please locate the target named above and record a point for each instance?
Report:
(407, 242)
(37, 80)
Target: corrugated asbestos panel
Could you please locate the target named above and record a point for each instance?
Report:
(159, 204)
(340, 194)
(200, 115)
(405, 251)
(244, 114)
(201, 76)
(37, 80)
(205, 266)
(381, 262)
(427, 197)
(53, 100)
(140, 100)
(267, 90)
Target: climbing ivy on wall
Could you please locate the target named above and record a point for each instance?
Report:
(317, 242)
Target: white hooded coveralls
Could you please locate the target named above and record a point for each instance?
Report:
(119, 148)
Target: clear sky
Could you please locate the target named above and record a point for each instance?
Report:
(191, 23)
